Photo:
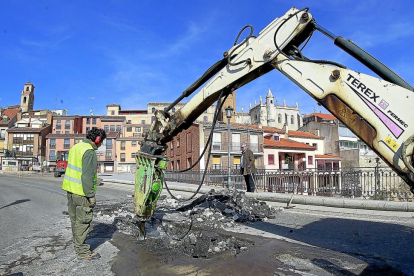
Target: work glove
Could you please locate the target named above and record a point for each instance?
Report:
(92, 201)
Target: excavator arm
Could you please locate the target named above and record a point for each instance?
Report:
(377, 110)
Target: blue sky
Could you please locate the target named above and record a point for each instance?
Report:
(83, 55)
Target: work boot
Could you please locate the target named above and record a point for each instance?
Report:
(92, 256)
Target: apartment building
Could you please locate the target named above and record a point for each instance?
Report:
(27, 139)
(69, 130)
(8, 118)
(126, 148)
(186, 147)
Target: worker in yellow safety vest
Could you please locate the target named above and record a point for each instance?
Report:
(80, 184)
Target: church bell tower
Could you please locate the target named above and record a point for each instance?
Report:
(27, 101)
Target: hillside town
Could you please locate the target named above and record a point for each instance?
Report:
(280, 137)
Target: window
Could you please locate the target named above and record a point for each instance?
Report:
(254, 143)
(189, 143)
(310, 160)
(236, 162)
(108, 154)
(235, 142)
(58, 132)
(189, 162)
(153, 110)
(112, 127)
(315, 146)
(129, 121)
(66, 131)
(88, 129)
(143, 122)
(137, 129)
(24, 98)
(152, 119)
(178, 164)
(292, 120)
(122, 145)
(216, 141)
(94, 121)
(52, 155)
(27, 88)
(109, 143)
(106, 128)
(122, 157)
(276, 138)
(133, 155)
(66, 144)
(112, 112)
(88, 120)
(279, 118)
(2, 133)
(52, 143)
(271, 159)
(58, 124)
(118, 128)
(205, 118)
(134, 143)
(178, 142)
(129, 129)
(216, 162)
(172, 165)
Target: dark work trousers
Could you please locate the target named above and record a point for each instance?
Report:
(80, 217)
(249, 182)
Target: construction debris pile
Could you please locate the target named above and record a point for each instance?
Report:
(187, 228)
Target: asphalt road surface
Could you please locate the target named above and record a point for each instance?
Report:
(36, 240)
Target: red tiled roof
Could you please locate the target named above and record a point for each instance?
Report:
(322, 115)
(113, 134)
(9, 113)
(26, 129)
(72, 135)
(327, 156)
(287, 143)
(304, 134)
(264, 128)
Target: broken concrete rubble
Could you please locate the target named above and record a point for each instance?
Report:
(195, 229)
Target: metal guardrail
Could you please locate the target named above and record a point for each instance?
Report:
(366, 183)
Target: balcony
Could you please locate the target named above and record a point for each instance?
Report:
(52, 146)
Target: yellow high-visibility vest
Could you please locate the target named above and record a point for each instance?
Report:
(73, 174)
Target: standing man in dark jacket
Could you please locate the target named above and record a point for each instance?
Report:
(80, 184)
(247, 167)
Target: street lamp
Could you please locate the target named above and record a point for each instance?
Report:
(229, 113)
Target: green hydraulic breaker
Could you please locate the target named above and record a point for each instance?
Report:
(149, 179)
